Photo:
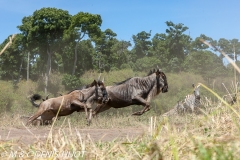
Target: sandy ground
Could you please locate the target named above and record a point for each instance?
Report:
(31, 135)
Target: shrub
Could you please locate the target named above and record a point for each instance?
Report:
(7, 96)
(71, 81)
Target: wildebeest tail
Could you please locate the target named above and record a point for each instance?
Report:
(34, 98)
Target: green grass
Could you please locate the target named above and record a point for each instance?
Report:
(215, 134)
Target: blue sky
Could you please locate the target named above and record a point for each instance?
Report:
(214, 18)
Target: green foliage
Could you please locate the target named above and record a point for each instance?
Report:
(125, 66)
(40, 28)
(205, 63)
(198, 45)
(7, 96)
(147, 63)
(84, 23)
(104, 56)
(58, 41)
(13, 60)
(218, 152)
(177, 41)
(55, 84)
(142, 44)
(71, 81)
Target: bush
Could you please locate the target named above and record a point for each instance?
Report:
(7, 96)
(147, 63)
(71, 81)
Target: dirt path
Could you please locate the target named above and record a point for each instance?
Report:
(31, 135)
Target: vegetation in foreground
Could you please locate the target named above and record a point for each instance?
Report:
(211, 135)
(214, 134)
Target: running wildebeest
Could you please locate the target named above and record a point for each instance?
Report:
(190, 102)
(71, 102)
(135, 91)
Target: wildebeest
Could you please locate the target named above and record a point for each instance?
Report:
(71, 102)
(190, 102)
(40, 120)
(135, 91)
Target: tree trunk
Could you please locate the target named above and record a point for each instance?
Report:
(19, 73)
(28, 67)
(48, 70)
(75, 58)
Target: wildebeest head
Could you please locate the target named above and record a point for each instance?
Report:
(161, 79)
(102, 87)
(164, 80)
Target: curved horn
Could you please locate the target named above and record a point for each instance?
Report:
(99, 76)
(46, 97)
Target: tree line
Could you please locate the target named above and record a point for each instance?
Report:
(52, 40)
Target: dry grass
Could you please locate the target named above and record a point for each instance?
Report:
(212, 135)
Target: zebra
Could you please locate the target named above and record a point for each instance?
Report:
(190, 102)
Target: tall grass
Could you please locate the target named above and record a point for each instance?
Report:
(214, 134)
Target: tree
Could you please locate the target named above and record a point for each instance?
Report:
(235, 44)
(197, 44)
(104, 43)
(160, 50)
(83, 24)
(177, 42)
(13, 61)
(8, 44)
(147, 63)
(44, 29)
(205, 63)
(142, 44)
(120, 55)
(230, 47)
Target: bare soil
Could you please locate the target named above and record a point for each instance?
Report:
(30, 135)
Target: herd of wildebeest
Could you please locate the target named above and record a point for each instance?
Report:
(96, 97)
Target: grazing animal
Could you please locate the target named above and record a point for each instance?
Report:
(190, 102)
(134, 91)
(71, 102)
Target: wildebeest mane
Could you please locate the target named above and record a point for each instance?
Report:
(79, 88)
(151, 72)
(118, 83)
(82, 87)
(145, 84)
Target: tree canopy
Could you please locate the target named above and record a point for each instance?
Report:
(53, 40)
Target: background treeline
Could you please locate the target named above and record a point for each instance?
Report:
(15, 99)
(52, 44)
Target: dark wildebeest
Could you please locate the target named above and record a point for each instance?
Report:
(69, 103)
(135, 91)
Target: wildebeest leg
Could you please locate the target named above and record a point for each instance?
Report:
(80, 104)
(96, 110)
(32, 118)
(90, 115)
(142, 102)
